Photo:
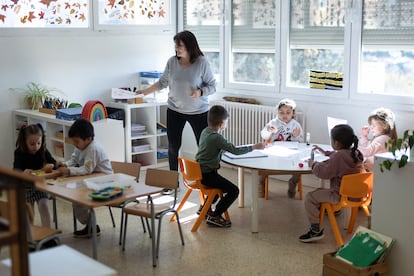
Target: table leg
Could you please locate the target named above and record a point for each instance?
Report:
(94, 239)
(255, 210)
(240, 173)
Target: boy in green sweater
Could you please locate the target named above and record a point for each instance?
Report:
(211, 146)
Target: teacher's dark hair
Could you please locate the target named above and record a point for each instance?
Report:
(190, 42)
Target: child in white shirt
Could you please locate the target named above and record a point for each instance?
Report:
(283, 128)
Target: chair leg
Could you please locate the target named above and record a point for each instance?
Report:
(153, 241)
(206, 206)
(266, 195)
(75, 225)
(351, 224)
(112, 216)
(335, 228)
(149, 228)
(186, 196)
(55, 219)
(125, 229)
(121, 226)
(143, 225)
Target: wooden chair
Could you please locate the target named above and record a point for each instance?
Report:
(39, 236)
(13, 217)
(192, 177)
(133, 169)
(356, 192)
(152, 210)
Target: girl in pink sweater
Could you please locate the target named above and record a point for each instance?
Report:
(345, 159)
(382, 129)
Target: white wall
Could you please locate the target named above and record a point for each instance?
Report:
(84, 67)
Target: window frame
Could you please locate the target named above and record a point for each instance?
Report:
(352, 48)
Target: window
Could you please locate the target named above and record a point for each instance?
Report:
(316, 40)
(203, 18)
(42, 14)
(387, 56)
(253, 42)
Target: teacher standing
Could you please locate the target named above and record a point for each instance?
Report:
(190, 81)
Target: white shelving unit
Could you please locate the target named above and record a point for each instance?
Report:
(109, 133)
(147, 114)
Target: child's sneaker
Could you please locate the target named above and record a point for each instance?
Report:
(311, 236)
(209, 212)
(218, 221)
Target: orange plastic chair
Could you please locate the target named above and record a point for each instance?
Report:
(299, 187)
(191, 173)
(356, 192)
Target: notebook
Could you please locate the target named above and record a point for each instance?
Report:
(252, 154)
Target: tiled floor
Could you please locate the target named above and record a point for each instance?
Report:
(275, 250)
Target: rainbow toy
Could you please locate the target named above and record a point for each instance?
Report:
(94, 111)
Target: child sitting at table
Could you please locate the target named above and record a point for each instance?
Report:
(88, 157)
(382, 127)
(31, 154)
(211, 146)
(283, 128)
(345, 159)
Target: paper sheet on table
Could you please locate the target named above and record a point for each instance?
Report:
(122, 94)
(286, 144)
(317, 157)
(252, 154)
(281, 151)
(333, 122)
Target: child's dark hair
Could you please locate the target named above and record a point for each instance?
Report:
(344, 134)
(27, 130)
(216, 115)
(81, 128)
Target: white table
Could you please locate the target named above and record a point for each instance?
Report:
(281, 159)
(64, 260)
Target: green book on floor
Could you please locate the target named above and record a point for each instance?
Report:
(362, 250)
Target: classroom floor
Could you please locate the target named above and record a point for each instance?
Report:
(275, 250)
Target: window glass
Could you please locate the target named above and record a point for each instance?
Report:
(51, 14)
(387, 56)
(316, 40)
(253, 42)
(126, 12)
(202, 17)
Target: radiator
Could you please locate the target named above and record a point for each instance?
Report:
(245, 121)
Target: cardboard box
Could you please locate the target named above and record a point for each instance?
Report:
(336, 267)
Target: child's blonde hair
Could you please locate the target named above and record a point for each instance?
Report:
(386, 116)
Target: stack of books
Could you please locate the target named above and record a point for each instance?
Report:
(138, 130)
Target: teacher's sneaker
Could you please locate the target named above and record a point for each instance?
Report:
(218, 221)
(311, 236)
(84, 233)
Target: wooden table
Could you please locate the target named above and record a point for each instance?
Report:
(74, 190)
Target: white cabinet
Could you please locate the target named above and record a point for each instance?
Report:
(145, 143)
(109, 134)
(392, 207)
